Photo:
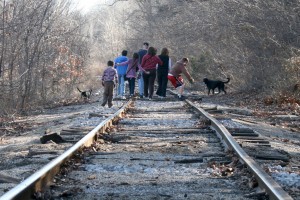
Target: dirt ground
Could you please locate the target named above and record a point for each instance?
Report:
(284, 115)
(278, 119)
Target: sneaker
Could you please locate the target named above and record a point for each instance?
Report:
(141, 96)
(110, 106)
(181, 98)
(123, 97)
(150, 99)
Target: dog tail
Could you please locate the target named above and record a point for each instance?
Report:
(228, 79)
(78, 89)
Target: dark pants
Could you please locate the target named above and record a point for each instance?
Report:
(149, 80)
(108, 93)
(162, 80)
(131, 82)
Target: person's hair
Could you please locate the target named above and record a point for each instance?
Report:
(135, 56)
(124, 53)
(146, 44)
(164, 52)
(110, 63)
(185, 60)
(152, 51)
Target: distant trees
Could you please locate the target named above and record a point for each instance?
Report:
(42, 51)
(256, 43)
(45, 47)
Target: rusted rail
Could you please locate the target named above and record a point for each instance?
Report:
(272, 188)
(44, 176)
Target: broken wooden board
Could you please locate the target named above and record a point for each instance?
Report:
(52, 137)
(8, 179)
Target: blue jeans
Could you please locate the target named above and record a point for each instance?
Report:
(141, 85)
(121, 85)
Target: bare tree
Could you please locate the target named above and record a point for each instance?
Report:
(46, 47)
(33, 34)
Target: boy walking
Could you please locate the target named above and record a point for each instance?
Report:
(175, 77)
(109, 76)
(121, 69)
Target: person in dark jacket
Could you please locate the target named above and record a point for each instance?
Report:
(162, 73)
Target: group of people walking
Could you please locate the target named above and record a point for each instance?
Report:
(145, 66)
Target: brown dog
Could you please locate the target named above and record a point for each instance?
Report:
(213, 84)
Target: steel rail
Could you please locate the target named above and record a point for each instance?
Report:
(273, 189)
(41, 178)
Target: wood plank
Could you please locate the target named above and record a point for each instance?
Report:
(256, 141)
(8, 179)
(192, 160)
(248, 138)
(245, 134)
(240, 130)
(98, 115)
(39, 152)
(53, 137)
(172, 130)
(272, 157)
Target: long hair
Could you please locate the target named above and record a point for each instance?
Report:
(164, 52)
(135, 56)
(152, 51)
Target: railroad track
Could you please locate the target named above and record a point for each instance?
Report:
(159, 149)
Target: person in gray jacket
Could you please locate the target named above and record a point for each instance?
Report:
(109, 79)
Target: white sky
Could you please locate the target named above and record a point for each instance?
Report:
(86, 5)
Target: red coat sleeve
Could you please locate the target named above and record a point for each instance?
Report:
(159, 61)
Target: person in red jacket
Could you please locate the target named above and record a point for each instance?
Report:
(149, 62)
(175, 77)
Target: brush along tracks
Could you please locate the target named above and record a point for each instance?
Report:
(159, 150)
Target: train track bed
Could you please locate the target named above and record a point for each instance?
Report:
(160, 150)
(276, 149)
(22, 152)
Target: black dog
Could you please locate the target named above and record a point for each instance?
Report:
(213, 84)
(85, 94)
